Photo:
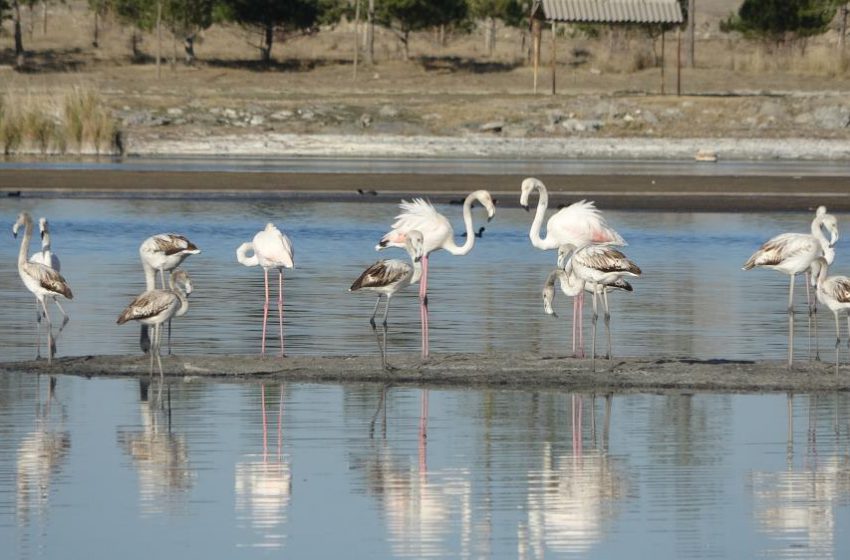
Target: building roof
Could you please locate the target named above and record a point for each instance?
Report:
(610, 11)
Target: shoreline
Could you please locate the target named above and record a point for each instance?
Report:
(506, 371)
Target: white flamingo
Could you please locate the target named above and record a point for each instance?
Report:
(793, 253)
(41, 280)
(163, 252)
(154, 307)
(579, 224)
(271, 249)
(437, 234)
(571, 286)
(833, 292)
(387, 277)
(48, 258)
(598, 266)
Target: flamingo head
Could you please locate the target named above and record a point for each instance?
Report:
(528, 185)
(831, 224)
(549, 293)
(414, 242)
(565, 253)
(23, 220)
(486, 200)
(181, 279)
(42, 227)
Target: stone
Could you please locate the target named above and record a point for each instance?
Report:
(257, 120)
(388, 112)
(492, 126)
(365, 120)
(281, 115)
(832, 116)
(175, 111)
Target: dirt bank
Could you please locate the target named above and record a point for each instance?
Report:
(516, 371)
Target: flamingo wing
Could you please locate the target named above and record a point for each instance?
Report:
(581, 223)
(148, 305)
(273, 248)
(606, 259)
(48, 279)
(421, 215)
(381, 274)
(839, 288)
(781, 248)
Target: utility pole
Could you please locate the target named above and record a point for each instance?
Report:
(691, 27)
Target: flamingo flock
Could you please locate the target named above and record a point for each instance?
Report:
(589, 259)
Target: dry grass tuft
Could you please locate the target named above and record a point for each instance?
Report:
(78, 123)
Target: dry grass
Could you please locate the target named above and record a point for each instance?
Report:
(75, 122)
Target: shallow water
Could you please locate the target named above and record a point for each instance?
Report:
(693, 299)
(98, 468)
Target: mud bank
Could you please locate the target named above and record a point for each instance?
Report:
(515, 371)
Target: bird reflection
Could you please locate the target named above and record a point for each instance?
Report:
(263, 488)
(574, 493)
(160, 456)
(41, 456)
(420, 507)
(799, 502)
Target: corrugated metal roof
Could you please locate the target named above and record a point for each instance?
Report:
(613, 11)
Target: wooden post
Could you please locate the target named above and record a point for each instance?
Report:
(370, 33)
(663, 35)
(842, 29)
(536, 32)
(158, 39)
(691, 34)
(554, 49)
(356, 35)
(679, 61)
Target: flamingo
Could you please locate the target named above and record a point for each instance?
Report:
(571, 286)
(154, 307)
(162, 252)
(599, 266)
(793, 253)
(834, 292)
(579, 224)
(41, 280)
(272, 249)
(387, 277)
(48, 258)
(437, 234)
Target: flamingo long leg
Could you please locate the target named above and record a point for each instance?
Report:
(791, 321)
(265, 311)
(575, 315)
(375, 311)
(809, 310)
(593, 336)
(51, 345)
(280, 307)
(581, 324)
(423, 434)
(158, 343)
(837, 339)
(169, 337)
(607, 321)
(424, 300)
(265, 429)
(386, 310)
(37, 329)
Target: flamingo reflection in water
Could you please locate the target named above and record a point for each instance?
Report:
(263, 488)
(424, 509)
(798, 506)
(159, 454)
(574, 492)
(41, 455)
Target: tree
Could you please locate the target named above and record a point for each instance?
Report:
(141, 14)
(19, 40)
(404, 16)
(187, 18)
(781, 20)
(266, 17)
(99, 9)
(511, 12)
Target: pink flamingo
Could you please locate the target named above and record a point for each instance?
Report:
(578, 224)
(437, 234)
(272, 249)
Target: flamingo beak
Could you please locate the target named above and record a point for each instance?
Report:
(526, 207)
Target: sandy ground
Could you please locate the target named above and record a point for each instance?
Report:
(515, 371)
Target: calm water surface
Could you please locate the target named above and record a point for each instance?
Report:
(99, 469)
(693, 299)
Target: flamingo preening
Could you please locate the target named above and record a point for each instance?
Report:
(163, 252)
(579, 224)
(154, 307)
(597, 266)
(437, 234)
(834, 292)
(41, 280)
(271, 249)
(793, 253)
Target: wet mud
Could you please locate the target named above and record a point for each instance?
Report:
(513, 371)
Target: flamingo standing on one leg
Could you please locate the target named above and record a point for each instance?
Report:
(162, 252)
(154, 307)
(793, 253)
(834, 292)
(48, 258)
(272, 249)
(438, 234)
(40, 279)
(579, 224)
(597, 265)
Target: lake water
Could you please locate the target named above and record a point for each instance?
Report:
(693, 299)
(99, 468)
(359, 471)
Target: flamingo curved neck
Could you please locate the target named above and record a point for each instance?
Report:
(150, 275)
(451, 246)
(25, 243)
(817, 232)
(242, 255)
(537, 224)
(177, 289)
